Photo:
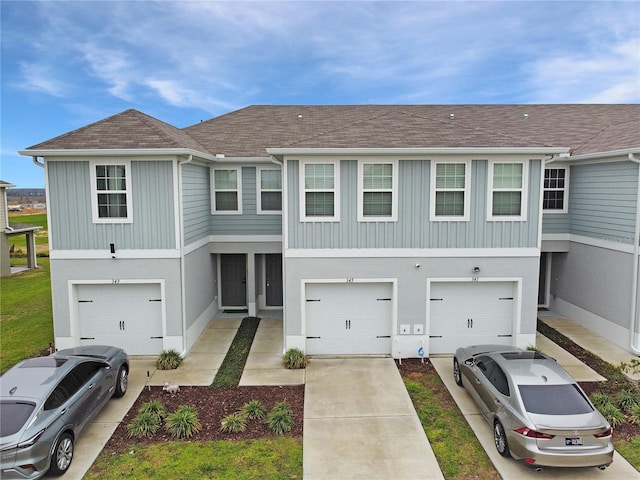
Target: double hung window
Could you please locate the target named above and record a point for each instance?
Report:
(227, 192)
(507, 191)
(555, 190)
(450, 191)
(110, 186)
(269, 190)
(320, 195)
(377, 191)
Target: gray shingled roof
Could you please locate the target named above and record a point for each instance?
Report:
(130, 129)
(250, 131)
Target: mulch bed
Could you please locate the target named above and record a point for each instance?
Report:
(212, 406)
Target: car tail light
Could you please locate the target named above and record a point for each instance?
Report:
(31, 441)
(607, 433)
(527, 432)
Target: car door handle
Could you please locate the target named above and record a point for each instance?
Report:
(91, 386)
(64, 410)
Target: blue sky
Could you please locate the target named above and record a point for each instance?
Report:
(68, 64)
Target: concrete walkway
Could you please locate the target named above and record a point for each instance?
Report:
(359, 422)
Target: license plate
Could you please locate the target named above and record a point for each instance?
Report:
(570, 441)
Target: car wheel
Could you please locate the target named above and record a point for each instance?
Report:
(122, 382)
(62, 455)
(457, 375)
(500, 439)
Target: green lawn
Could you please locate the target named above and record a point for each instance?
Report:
(280, 458)
(26, 324)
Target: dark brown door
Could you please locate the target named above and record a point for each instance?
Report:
(273, 269)
(233, 272)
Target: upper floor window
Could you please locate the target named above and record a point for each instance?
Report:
(378, 186)
(556, 182)
(227, 191)
(269, 190)
(507, 191)
(111, 192)
(450, 191)
(320, 194)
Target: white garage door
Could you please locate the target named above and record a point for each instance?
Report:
(348, 318)
(125, 315)
(470, 313)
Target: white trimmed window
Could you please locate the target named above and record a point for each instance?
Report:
(110, 192)
(378, 191)
(555, 192)
(320, 200)
(269, 190)
(507, 191)
(227, 191)
(450, 195)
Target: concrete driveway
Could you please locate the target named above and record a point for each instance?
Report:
(507, 467)
(359, 422)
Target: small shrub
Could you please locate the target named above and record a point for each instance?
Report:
(254, 410)
(280, 418)
(601, 400)
(294, 359)
(169, 360)
(183, 423)
(234, 423)
(627, 399)
(634, 414)
(145, 424)
(613, 414)
(532, 348)
(155, 407)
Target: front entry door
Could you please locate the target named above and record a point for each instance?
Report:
(233, 273)
(273, 269)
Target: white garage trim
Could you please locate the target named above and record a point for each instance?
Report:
(392, 282)
(516, 310)
(74, 324)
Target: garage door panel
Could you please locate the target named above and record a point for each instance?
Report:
(470, 313)
(348, 318)
(125, 315)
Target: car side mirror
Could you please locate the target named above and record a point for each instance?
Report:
(469, 361)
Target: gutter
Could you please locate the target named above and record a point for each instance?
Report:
(634, 280)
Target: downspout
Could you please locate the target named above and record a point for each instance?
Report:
(634, 281)
(35, 160)
(182, 260)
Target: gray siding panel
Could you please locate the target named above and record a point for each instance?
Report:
(555, 222)
(249, 223)
(603, 200)
(152, 199)
(413, 228)
(196, 200)
(200, 283)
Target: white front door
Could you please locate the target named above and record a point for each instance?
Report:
(470, 313)
(125, 315)
(348, 318)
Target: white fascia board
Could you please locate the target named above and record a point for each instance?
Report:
(243, 160)
(106, 254)
(420, 151)
(598, 157)
(411, 252)
(114, 152)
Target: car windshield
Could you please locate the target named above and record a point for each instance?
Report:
(554, 399)
(14, 415)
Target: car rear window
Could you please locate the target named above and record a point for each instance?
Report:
(14, 415)
(554, 399)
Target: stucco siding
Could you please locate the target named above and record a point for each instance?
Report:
(596, 279)
(200, 283)
(603, 200)
(63, 272)
(413, 229)
(249, 222)
(152, 204)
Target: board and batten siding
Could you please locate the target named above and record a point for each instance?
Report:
(602, 201)
(249, 222)
(196, 202)
(413, 228)
(152, 204)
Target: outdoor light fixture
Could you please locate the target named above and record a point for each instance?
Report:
(476, 270)
(112, 248)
